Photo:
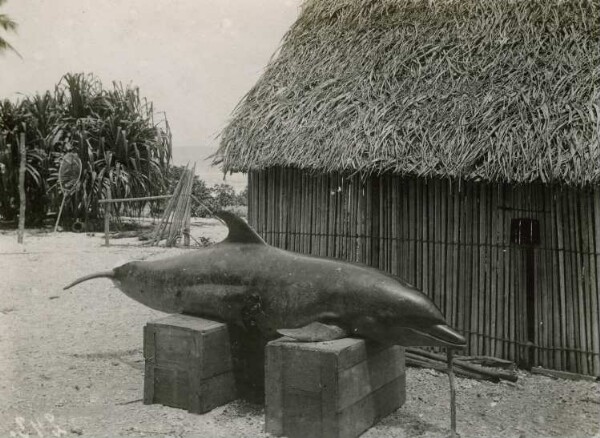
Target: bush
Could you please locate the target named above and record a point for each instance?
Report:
(211, 199)
(113, 131)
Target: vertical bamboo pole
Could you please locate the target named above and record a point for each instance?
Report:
(483, 270)
(395, 231)
(22, 199)
(107, 211)
(595, 305)
(541, 284)
(480, 299)
(406, 244)
(251, 220)
(506, 200)
(462, 285)
(582, 273)
(350, 203)
(451, 254)
(418, 234)
(411, 211)
(560, 230)
(495, 276)
(435, 208)
(442, 248)
(317, 215)
(553, 254)
(590, 275)
(284, 202)
(423, 236)
(448, 247)
(570, 281)
(543, 287)
(331, 206)
(325, 231)
(384, 200)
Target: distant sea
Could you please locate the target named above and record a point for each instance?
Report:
(211, 175)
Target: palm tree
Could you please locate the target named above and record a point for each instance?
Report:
(9, 26)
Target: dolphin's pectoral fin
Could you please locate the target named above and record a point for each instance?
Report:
(315, 332)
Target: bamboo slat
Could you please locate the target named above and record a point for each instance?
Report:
(595, 303)
(584, 275)
(571, 287)
(417, 234)
(588, 276)
(482, 268)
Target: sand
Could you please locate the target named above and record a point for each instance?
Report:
(71, 362)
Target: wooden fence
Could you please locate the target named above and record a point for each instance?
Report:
(532, 299)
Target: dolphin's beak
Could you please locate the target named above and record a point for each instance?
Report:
(447, 335)
(433, 336)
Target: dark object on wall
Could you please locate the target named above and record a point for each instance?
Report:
(525, 231)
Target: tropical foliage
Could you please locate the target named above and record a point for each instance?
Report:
(113, 131)
(7, 25)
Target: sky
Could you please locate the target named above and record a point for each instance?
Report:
(194, 59)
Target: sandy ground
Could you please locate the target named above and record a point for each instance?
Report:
(71, 362)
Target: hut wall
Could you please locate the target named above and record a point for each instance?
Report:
(534, 304)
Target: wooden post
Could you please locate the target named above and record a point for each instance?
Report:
(22, 200)
(107, 208)
(453, 432)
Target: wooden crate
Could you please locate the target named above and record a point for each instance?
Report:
(334, 389)
(188, 363)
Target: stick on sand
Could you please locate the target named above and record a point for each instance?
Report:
(453, 432)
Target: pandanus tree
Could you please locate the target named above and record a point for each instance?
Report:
(114, 132)
(7, 25)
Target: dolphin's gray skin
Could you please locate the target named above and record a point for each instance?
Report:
(242, 280)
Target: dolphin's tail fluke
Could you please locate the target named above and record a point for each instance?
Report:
(108, 274)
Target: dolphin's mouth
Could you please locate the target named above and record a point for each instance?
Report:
(444, 334)
(433, 336)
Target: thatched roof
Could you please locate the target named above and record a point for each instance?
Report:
(499, 90)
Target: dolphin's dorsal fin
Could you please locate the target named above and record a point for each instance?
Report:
(315, 332)
(239, 231)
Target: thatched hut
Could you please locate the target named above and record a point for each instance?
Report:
(453, 143)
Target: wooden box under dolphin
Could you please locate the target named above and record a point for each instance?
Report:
(331, 389)
(188, 363)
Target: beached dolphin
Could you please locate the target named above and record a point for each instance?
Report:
(243, 280)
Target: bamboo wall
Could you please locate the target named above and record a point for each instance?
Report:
(453, 241)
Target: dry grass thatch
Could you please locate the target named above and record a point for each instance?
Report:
(498, 90)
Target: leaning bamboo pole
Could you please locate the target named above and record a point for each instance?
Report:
(175, 221)
(162, 225)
